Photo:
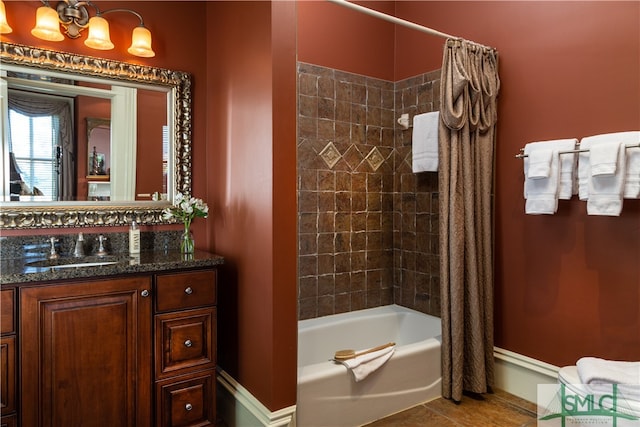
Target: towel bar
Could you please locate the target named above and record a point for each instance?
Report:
(522, 155)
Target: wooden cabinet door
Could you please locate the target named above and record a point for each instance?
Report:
(86, 354)
(7, 374)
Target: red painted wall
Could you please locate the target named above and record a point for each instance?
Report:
(337, 37)
(251, 113)
(567, 285)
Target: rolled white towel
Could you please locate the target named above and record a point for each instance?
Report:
(362, 366)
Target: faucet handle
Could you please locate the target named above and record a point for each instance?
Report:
(101, 249)
(53, 254)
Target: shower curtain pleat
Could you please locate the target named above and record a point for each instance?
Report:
(469, 88)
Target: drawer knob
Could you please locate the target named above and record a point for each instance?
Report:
(144, 293)
(188, 343)
(188, 406)
(188, 291)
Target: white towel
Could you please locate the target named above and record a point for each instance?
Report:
(604, 158)
(564, 167)
(632, 170)
(632, 179)
(542, 194)
(606, 191)
(364, 365)
(597, 372)
(568, 168)
(425, 142)
(539, 163)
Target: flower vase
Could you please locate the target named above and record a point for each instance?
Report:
(187, 245)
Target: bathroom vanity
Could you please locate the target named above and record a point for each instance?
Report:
(131, 343)
(105, 340)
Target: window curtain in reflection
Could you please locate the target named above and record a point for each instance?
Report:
(469, 88)
(35, 106)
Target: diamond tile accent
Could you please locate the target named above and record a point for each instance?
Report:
(330, 155)
(353, 157)
(409, 159)
(375, 159)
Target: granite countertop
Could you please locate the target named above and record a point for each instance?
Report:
(18, 270)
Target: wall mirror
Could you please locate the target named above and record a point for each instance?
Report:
(89, 141)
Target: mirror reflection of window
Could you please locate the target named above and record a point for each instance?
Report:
(41, 147)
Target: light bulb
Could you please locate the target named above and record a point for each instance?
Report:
(141, 43)
(4, 25)
(47, 25)
(99, 37)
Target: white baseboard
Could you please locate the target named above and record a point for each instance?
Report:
(239, 408)
(520, 375)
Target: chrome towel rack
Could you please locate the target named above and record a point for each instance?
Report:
(521, 155)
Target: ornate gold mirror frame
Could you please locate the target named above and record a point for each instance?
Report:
(77, 214)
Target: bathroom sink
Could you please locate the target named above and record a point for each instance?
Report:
(74, 262)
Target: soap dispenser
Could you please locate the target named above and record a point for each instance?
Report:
(134, 238)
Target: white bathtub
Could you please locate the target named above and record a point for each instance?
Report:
(328, 396)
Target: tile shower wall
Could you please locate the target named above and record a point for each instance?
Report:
(367, 224)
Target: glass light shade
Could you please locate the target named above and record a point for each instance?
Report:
(47, 25)
(4, 26)
(98, 37)
(141, 43)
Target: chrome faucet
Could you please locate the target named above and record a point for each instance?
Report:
(101, 250)
(79, 250)
(52, 253)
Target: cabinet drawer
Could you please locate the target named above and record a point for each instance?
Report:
(187, 401)
(185, 341)
(7, 375)
(7, 311)
(185, 290)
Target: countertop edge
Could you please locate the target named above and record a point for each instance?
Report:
(147, 262)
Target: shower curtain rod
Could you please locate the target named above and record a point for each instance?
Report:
(400, 21)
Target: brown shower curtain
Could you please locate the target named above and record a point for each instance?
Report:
(469, 87)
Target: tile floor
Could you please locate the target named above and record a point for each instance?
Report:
(499, 409)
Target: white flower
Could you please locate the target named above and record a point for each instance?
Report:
(186, 209)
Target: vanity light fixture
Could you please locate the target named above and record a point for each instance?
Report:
(4, 25)
(74, 17)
